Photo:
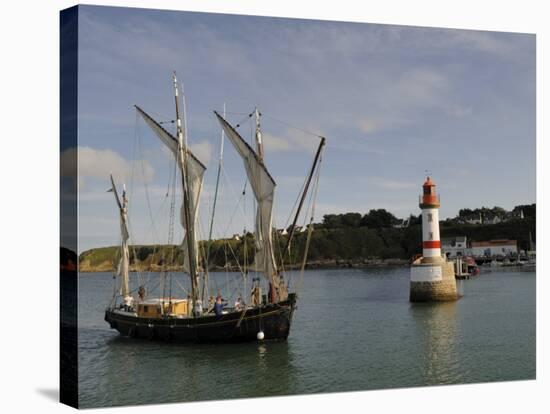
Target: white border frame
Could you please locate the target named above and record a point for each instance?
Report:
(30, 177)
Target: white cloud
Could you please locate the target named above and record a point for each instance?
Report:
(273, 143)
(99, 163)
(290, 141)
(368, 126)
(507, 45)
(203, 151)
(460, 111)
(392, 184)
(422, 86)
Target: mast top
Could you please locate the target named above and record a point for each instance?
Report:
(258, 136)
(175, 83)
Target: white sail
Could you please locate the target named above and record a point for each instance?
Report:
(263, 187)
(124, 262)
(195, 171)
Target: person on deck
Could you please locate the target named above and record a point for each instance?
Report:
(255, 295)
(198, 308)
(239, 304)
(189, 306)
(218, 306)
(141, 293)
(283, 289)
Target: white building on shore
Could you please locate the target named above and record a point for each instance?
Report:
(455, 246)
(494, 248)
(459, 246)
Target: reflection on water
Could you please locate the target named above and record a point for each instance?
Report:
(353, 330)
(437, 327)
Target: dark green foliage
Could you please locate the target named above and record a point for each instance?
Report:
(414, 220)
(359, 243)
(377, 219)
(351, 220)
(332, 221)
(347, 237)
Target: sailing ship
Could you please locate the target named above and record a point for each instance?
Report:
(266, 316)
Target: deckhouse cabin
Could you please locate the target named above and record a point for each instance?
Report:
(156, 308)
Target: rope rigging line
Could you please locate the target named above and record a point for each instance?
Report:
(294, 207)
(279, 250)
(296, 202)
(170, 121)
(213, 207)
(237, 113)
(233, 253)
(135, 147)
(239, 198)
(310, 228)
(146, 187)
(245, 119)
(204, 251)
(309, 206)
(171, 219)
(305, 131)
(153, 218)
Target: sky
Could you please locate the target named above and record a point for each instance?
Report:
(392, 101)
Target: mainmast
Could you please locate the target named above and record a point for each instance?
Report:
(124, 263)
(265, 250)
(188, 223)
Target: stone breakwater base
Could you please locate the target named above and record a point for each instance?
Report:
(432, 280)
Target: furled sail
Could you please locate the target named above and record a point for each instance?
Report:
(263, 187)
(124, 262)
(195, 171)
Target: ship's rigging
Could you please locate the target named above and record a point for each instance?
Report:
(265, 253)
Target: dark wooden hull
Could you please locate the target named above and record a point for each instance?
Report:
(273, 320)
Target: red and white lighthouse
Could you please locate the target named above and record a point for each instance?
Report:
(429, 203)
(432, 276)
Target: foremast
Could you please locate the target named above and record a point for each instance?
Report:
(124, 262)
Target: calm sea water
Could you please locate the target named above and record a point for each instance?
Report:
(353, 330)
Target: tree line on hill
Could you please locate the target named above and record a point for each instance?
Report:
(381, 218)
(377, 234)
